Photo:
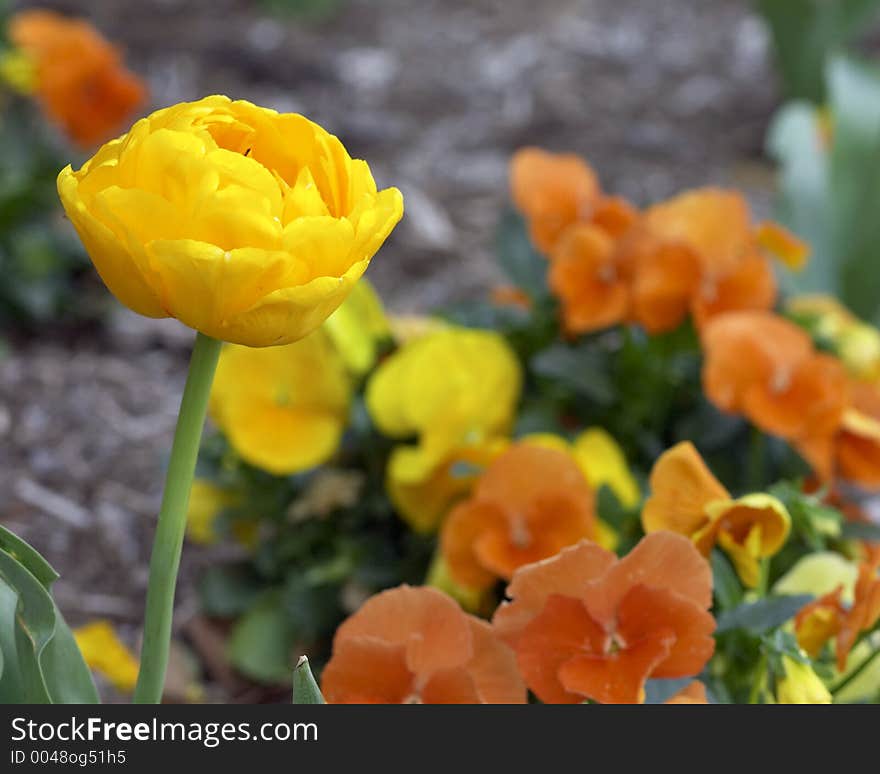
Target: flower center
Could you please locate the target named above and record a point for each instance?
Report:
(520, 536)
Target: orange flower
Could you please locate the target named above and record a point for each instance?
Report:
(686, 498)
(858, 444)
(591, 277)
(693, 693)
(765, 367)
(416, 646)
(556, 190)
(587, 625)
(826, 617)
(81, 81)
(699, 253)
(529, 503)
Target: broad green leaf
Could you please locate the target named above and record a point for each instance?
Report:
(580, 369)
(860, 531)
(763, 615)
(41, 662)
(806, 33)
(305, 689)
(261, 642)
(228, 591)
(728, 589)
(523, 265)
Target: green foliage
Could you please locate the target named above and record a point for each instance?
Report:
(806, 33)
(762, 615)
(829, 194)
(40, 662)
(305, 689)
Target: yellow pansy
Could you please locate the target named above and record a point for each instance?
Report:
(686, 498)
(818, 574)
(408, 327)
(18, 71)
(106, 654)
(283, 409)
(800, 684)
(248, 225)
(358, 327)
(855, 342)
(455, 390)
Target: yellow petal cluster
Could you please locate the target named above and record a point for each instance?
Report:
(800, 684)
(248, 225)
(283, 409)
(455, 391)
(106, 654)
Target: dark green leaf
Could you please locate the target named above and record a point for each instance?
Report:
(523, 265)
(763, 615)
(580, 369)
(660, 691)
(854, 530)
(261, 642)
(728, 589)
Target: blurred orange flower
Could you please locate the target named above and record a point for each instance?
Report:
(827, 617)
(686, 498)
(858, 443)
(699, 253)
(416, 646)
(586, 625)
(530, 502)
(556, 190)
(591, 277)
(765, 367)
(81, 81)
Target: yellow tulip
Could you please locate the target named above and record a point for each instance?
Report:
(106, 654)
(248, 225)
(800, 684)
(456, 391)
(358, 327)
(282, 409)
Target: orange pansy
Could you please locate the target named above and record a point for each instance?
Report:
(765, 367)
(699, 253)
(586, 625)
(81, 80)
(864, 613)
(552, 191)
(686, 498)
(529, 503)
(818, 621)
(590, 278)
(858, 444)
(416, 646)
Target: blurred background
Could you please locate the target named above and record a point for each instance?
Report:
(436, 95)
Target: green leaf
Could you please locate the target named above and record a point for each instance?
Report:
(41, 662)
(523, 265)
(228, 591)
(763, 615)
(305, 689)
(261, 642)
(728, 589)
(855, 530)
(580, 368)
(661, 690)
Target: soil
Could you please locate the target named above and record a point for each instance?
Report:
(436, 94)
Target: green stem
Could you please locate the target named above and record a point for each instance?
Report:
(758, 680)
(855, 673)
(168, 543)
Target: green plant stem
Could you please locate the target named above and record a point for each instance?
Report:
(855, 673)
(758, 680)
(168, 543)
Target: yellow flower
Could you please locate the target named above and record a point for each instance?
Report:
(855, 342)
(282, 409)
(106, 654)
(800, 684)
(358, 327)
(408, 327)
(206, 502)
(818, 574)
(865, 687)
(686, 498)
(248, 225)
(18, 71)
(455, 390)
